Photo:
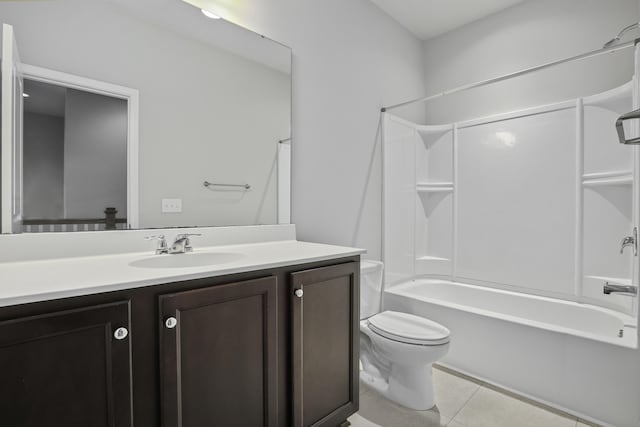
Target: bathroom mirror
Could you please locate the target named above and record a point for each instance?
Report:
(144, 114)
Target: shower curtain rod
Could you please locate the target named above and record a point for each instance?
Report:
(609, 49)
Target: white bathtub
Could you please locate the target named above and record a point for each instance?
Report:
(564, 354)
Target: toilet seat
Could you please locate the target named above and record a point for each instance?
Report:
(409, 329)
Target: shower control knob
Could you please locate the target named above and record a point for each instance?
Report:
(171, 322)
(299, 293)
(120, 333)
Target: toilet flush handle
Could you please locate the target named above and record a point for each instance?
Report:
(298, 293)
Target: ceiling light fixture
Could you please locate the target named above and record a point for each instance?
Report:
(210, 14)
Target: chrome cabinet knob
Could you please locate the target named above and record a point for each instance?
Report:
(171, 322)
(120, 333)
(298, 293)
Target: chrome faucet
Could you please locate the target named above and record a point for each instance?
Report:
(162, 244)
(631, 241)
(611, 288)
(182, 243)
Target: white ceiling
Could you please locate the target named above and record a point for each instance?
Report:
(430, 18)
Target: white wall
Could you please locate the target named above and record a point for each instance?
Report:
(95, 155)
(526, 35)
(43, 166)
(349, 59)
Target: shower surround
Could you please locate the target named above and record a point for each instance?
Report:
(505, 229)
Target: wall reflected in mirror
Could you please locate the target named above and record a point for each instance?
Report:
(129, 108)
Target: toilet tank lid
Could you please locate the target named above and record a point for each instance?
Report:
(369, 266)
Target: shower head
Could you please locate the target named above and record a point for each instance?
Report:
(620, 34)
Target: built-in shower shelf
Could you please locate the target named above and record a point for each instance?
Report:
(603, 279)
(431, 258)
(433, 265)
(431, 134)
(434, 187)
(602, 179)
(618, 99)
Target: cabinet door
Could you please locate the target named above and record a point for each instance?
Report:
(70, 368)
(325, 339)
(218, 355)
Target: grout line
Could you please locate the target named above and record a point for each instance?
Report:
(464, 377)
(466, 402)
(510, 394)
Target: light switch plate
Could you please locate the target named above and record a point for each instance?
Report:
(171, 205)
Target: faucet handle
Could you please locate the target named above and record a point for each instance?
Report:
(162, 243)
(187, 235)
(630, 241)
(186, 241)
(158, 237)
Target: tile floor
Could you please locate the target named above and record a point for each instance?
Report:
(459, 403)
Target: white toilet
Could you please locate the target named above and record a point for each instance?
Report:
(397, 349)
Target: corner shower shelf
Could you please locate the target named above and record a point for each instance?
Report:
(610, 279)
(601, 179)
(433, 265)
(618, 99)
(434, 187)
(430, 134)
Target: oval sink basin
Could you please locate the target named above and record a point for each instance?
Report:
(186, 260)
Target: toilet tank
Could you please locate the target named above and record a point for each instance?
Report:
(370, 288)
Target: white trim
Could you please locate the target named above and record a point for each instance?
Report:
(132, 97)
(6, 140)
(133, 162)
(579, 202)
(543, 109)
(456, 201)
(635, 266)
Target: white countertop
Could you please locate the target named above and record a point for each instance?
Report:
(41, 280)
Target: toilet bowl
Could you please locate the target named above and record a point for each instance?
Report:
(397, 350)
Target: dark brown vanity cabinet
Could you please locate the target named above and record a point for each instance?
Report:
(68, 368)
(218, 355)
(277, 347)
(325, 343)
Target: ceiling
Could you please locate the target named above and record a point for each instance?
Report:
(183, 18)
(430, 18)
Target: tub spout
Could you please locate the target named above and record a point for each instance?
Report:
(610, 288)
